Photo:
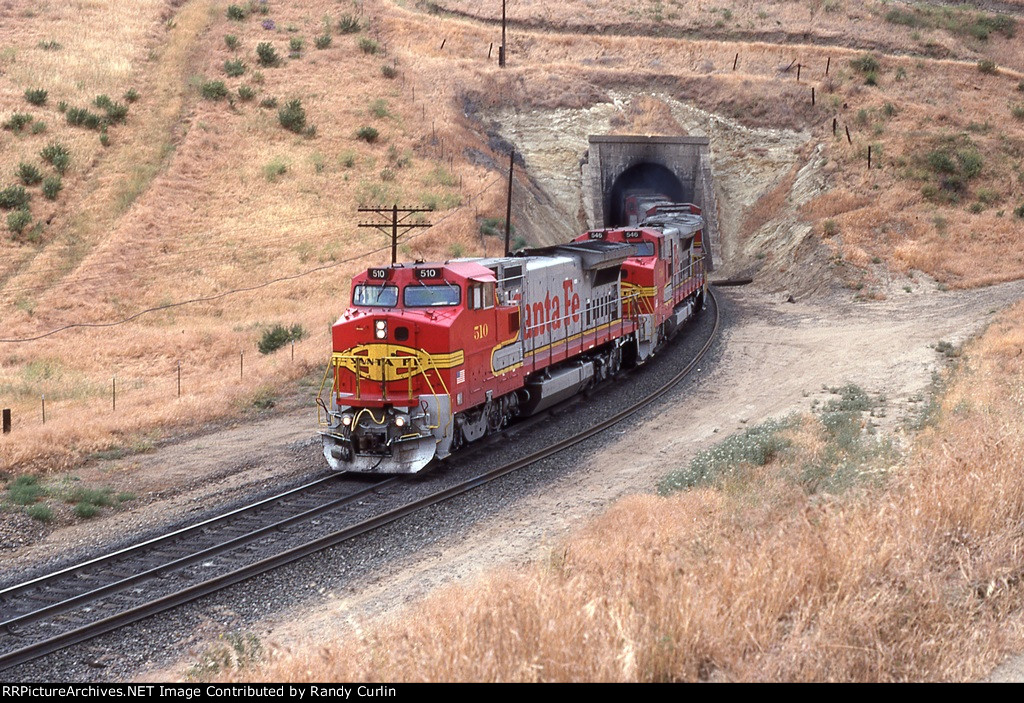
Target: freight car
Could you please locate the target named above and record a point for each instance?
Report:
(432, 356)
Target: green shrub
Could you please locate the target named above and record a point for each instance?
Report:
(830, 228)
(1017, 111)
(348, 25)
(104, 139)
(40, 512)
(234, 68)
(131, 95)
(13, 197)
(246, 93)
(86, 510)
(237, 13)
(368, 46)
(17, 121)
(25, 490)
(755, 446)
(102, 101)
(987, 66)
(57, 155)
(866, 63)
(97, 496)
(36, 96)
(51, 187)
(322, 41)
(214, 90)
(295, 45)
(29, 174)
(62, 107)
(388, 71)
(231, 41)
(50, 45)
(278, 336)
(18, 220)
(292, 116)
(117, 112)
(495, 227)
(367, 134)
(81, 117)
(38, 127)
(275, 169)
(266, 54)
(1019, 210)
(871, 78)
(269, 103)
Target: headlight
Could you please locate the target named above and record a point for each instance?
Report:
(346, 420)
(399, 421)
(381, 329)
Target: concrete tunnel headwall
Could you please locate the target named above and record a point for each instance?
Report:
(679, 167)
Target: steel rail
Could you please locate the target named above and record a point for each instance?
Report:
(191, 593)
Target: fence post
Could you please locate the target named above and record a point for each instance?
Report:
(828, 64)
(179, 379)
(113, 392)
(241, 364)
(735, 61)
(44, 408)
(869, 157)
(7, 420)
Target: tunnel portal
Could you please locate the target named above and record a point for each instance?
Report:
(679, 167)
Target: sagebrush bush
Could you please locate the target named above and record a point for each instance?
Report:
(236, 12)
(322, 41)
(57, 155)
(1018, 111)
(13, 197)
(266, 54)
(29, 173)
(269, 103)
(234, 67)
(214, 90)
(295, 45)
(38, 127)
(367, 134)
(81, 117)
(17, 121)
(51, 187)
(36, 96)
(278, 336)
(292, 116)
(25, 490)
(18, 220)
(117, 112)
(246, 93)
(865, 63)
(987, 66)
(231, 41)
(388, 71)
(348, 24)
(102, 101)
(131, 95)
(368, 46)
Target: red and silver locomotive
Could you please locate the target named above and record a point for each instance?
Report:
(430, 357)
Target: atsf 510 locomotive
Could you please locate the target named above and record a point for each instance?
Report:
(430, 357)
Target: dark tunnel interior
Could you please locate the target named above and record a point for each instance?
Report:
(642, 177)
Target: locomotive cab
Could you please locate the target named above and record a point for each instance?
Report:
(403, 363)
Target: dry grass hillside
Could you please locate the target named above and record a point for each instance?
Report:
(149, 140)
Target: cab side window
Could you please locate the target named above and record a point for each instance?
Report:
(481, 296)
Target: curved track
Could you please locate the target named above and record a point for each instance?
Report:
(75, 604)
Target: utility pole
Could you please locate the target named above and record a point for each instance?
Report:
(395, 223)
(501, 49)
(508, 204)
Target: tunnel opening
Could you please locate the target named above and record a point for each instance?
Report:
(642, 178)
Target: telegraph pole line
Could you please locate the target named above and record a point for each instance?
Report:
(502, 49)
(395, 223)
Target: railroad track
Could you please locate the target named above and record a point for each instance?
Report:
(77, 603)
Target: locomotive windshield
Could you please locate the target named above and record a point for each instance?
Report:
(644, 249)
(424, 296)
(372, 296)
